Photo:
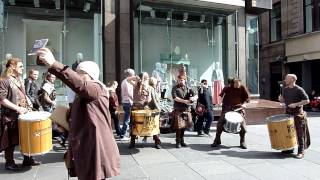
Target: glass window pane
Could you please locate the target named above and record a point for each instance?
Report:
(275, 23)
(194, 39)
(308, 18)
(252, 55)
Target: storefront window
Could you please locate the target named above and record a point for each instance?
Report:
(73, 30)
(172, 37)
(252, 55)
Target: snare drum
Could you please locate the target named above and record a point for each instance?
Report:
(282, 132)
(35, 133)
(146, 122)
(233, 122)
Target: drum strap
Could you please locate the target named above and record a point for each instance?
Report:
(16, 86)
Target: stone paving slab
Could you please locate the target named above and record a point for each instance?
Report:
(198, 161)
(174, 171)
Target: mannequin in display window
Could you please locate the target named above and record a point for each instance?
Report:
(79, 58)
(217, 84)
(160, 74)
(8, 56)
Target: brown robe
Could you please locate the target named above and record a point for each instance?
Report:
(94, 149)
(9, 136)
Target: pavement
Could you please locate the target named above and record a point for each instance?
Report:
(197, 162)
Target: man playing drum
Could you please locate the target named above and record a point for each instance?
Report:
(141, 99)
(234, 96)
(294, 98)
(13, 102)
(183, 98)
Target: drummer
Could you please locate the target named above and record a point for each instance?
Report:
(233, 97)
(294, 98)
(13, 102)
(141, 99)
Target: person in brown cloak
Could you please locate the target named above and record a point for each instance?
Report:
(92, 145)
(13, 101)
(294, 98)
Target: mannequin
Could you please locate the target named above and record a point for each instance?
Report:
(2, 64)
(159, 73)
(8, 56)
(79, 58)
(217, 72)
(218, 84)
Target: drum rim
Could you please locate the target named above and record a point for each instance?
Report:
(37, 154)
(45, 116)
(233, 112)
(269, 119)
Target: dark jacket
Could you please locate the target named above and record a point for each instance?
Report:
(205, 98)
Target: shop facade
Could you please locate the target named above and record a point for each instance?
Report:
(214, 39)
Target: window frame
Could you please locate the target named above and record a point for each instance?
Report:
(315, 15)
(270, 21)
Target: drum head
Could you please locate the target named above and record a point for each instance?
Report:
(233, 117)
(280, 117)
(34, 116)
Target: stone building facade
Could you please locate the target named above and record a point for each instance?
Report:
(295, 51)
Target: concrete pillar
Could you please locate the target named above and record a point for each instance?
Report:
(109, 56)
(125, 36)
(242, 45)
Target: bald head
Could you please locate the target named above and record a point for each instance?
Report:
(290, 79)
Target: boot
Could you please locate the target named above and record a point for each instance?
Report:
(183, 144)
(243, 144)
(157, 142)
(10, 164)
(29, 161)
(216, 142)
(178, 138)
(132, 142)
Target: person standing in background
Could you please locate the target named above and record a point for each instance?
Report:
(205, 99)
(32, 88)
(114, 105)
(127, 101)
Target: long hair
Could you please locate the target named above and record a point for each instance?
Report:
(140, 85)
(11, 63)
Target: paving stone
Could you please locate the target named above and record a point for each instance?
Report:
(207, 169)
(172, 171)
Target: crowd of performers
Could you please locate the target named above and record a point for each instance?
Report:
(135, 91)
(91, 141)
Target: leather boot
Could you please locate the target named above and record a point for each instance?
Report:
(183, 144)
(216, 142)
(178, 138)
(10, 164)
(157, 142)
(29, 161)
(132, 142)
(243, 144)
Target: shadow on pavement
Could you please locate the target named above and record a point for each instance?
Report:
(52, 157)
(23, 169)
(207, 147)
(253, 154)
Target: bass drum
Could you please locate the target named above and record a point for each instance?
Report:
(145, 122)
(282, 132)
(35, 133)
